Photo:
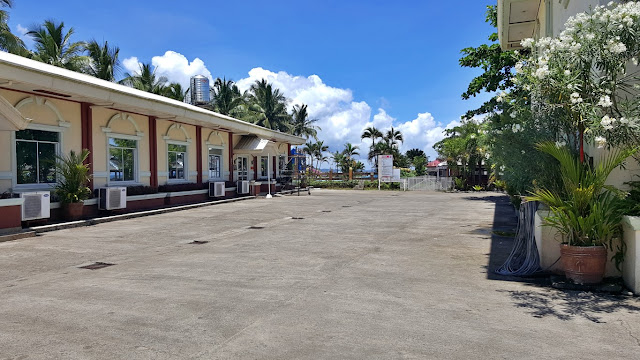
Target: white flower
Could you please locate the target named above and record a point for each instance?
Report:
(601, 142)
(513, 115)
(527, 43)
(634, 60)
(590, 36)
(575, 98)
(624, 121)
(605, 101)
(523, 152)
(607, 122)
(542, 72)
(560, 144)
(567, 72)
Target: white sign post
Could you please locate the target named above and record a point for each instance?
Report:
(385, 168)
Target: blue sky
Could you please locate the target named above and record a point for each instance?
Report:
(375, 62)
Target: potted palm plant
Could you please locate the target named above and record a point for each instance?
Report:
(585, 211)
(73, 177)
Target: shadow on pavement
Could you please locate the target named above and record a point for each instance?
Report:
(566, 305)
(503, 228)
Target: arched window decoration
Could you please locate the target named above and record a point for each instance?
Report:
(122, 150)
(36, 147)
(177, 153)
(215, 152)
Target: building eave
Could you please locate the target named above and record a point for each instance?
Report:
(517, 20)
(22, 74)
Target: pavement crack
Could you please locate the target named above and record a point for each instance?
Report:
(626, 326)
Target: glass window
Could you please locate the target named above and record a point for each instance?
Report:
(215, 163)
(177, 155)
(122, 159)
(282, 163)
(36, 152)
(264, 166)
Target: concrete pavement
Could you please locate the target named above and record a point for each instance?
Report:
(358, 274)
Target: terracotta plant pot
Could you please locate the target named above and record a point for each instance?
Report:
(584, 264)
(73, 211)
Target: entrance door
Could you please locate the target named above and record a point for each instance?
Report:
(241, 168)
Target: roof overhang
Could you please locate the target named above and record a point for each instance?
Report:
(29, 76)
(10, 118)
(517, 20)
(250, 143)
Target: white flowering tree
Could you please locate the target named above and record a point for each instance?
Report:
(587, 76)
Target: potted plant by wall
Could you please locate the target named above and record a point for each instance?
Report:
(73, 177)
(585, 211)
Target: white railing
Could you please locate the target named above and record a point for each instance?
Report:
(428, 183)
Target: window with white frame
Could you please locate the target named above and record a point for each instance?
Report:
(264, 167)
(215, 163)
(122, 159)
(36, 152)
(177, 157)
(282, 164)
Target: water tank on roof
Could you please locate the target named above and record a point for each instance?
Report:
(199, 89)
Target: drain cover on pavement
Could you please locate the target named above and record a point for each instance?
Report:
(326, 210)
(297, 218)
(198, 242)
(96, 266)
(255, 227)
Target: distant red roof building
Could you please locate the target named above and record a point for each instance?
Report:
(434, 163)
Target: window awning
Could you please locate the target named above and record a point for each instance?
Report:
(251, 143)
(10, 118)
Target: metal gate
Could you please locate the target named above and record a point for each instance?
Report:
(428, 183)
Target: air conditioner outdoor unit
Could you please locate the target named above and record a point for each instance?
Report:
(243, 187)
(36, 205)
(216, 189)
(112, 198)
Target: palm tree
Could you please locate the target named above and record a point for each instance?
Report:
(301, 125)
(350, 151)
(53, 46)
(103, 60)
(338, 159)
(227, 99)
(8, 41)
(372, 133)
(267, 107)
(392, 137)
(174, 91)
(145, 80)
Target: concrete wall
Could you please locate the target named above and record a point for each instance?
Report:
(548, 241)
(631, 265)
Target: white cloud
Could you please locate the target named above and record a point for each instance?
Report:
(175, 66)
(21, 30)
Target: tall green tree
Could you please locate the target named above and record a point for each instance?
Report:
(268, 107)
(9, 41)
(146, 80)
(301, 124)
(350, 151)
(496, 64)
(413, 153)
(174, 91)
(372, 133)
(103, 60)
(227, 99)
(392, 137)
(54, 46)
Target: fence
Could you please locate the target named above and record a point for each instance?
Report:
(428, 183)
